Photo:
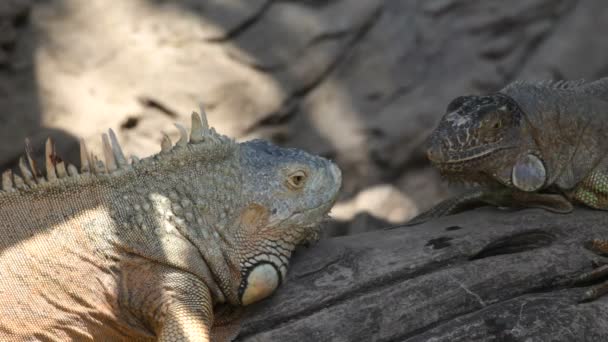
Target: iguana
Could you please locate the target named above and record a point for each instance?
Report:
(155, 248)
(531, 144)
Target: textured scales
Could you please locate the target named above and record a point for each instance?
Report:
(540, 144)
(164, 247)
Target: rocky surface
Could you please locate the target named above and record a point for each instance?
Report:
(484, 275)
(362, 82)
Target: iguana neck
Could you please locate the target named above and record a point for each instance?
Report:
(183, 204)
(565, 125)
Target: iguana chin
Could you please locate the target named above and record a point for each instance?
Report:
(157, 247)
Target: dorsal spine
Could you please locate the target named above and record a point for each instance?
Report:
(113, 157)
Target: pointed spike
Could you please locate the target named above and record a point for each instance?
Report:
(93, 163)
(30, 160)
(165, 144)
(26, 173)
(7, 180)
(199, 127)
(117, 150)
(72, 170)
(134, 160)
(98, 166)
(108, 154)
(84, 158)
(61, 171)
(203, 117)
(49, 155)
(19, 184)
(183, 135)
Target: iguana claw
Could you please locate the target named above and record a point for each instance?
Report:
(599, 247)
(505, 197)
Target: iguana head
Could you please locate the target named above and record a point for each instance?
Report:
(289, 192)
(256, 203)
(482, 139)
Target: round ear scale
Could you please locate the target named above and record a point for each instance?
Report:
(260, 282)
(529, 173)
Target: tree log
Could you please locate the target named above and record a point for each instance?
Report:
(484, 275)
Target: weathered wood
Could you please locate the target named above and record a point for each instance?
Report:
(485, 275)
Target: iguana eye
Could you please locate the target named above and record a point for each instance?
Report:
(492, 121)
(296, 180)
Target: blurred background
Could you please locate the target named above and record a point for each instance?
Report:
(362, 82)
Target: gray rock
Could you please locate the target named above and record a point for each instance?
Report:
(484, 275)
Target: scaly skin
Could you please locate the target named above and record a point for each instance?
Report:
(159, 247)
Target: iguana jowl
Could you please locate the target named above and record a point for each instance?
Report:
(542, 144)
(154, 248)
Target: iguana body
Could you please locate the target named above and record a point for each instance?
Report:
(157, 247)
(529, 145)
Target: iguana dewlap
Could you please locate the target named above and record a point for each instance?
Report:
(155, 248)
(531, 144)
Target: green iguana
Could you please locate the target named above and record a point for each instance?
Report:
(529, 145)
(162, 247)
(541, 144)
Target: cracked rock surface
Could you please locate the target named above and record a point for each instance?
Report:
(485, 275)
(362, 82)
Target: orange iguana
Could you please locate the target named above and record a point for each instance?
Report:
(156, 248)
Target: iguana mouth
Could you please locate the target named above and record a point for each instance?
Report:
(469, 161)
(470, 158)
(465, 165)
(323, 207)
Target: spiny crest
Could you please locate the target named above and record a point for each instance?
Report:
(113, 156)
(561, 84)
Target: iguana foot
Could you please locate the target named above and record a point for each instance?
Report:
(554, 203)
(497, 197)
(599, 247)
(596, 291)
(227, 323)
(469, 200)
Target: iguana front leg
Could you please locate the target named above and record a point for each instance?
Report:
(175, 305)
(227, 322)
(185, 309)
(593, 191)
(503, 197)
(189, 313)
